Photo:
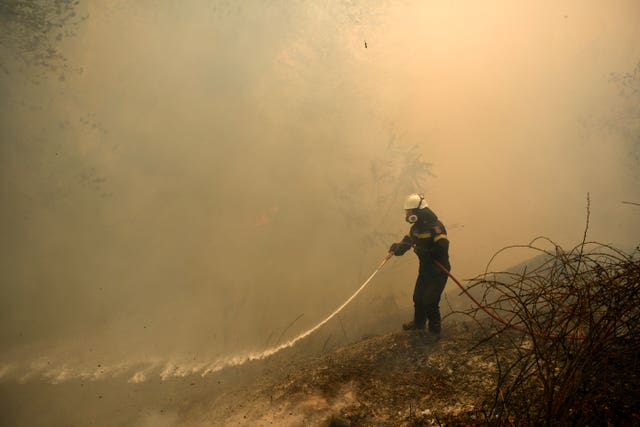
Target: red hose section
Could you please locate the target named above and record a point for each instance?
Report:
(498, 318)
(479, 304)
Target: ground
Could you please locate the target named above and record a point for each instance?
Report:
(398, 379)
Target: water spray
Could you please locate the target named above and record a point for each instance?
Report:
(272, 350)
(141, 370)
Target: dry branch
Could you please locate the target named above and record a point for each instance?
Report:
(578, 361)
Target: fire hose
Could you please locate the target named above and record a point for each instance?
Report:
(495, 316)
(491, 313)
(308, 332)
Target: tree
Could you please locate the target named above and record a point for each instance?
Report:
(31, 32)
(627, 120)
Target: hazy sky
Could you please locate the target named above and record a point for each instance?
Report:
(203, 172)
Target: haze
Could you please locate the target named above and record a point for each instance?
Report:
(202, 173)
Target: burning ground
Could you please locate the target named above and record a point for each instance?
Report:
(567, 353)
(398, 379)
(476, 374)
(393, 379)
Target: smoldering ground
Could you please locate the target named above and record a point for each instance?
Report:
(191, 178)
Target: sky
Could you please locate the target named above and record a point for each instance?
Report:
(199, 174)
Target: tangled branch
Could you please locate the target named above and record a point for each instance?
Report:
(579, 356)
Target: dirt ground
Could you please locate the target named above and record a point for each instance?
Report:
(398, 379)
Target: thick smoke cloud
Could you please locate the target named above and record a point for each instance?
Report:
(203, 173)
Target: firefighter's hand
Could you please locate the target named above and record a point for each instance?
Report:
(397, 249)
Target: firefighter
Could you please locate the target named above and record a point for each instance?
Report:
(428, 237)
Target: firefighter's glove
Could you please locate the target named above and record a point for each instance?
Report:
(399, 249)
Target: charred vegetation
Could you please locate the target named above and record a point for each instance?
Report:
(568, 352)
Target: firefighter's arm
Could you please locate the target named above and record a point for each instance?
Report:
(441, 245)
(398, 249)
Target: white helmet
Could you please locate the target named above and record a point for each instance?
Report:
(415, 201)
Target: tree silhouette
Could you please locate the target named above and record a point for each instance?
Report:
(31, 31)
(627, 120)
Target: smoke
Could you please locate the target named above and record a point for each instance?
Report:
(204, 173)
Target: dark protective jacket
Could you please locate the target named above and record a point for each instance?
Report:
(429, 238)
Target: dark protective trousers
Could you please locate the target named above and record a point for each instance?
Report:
(426, 295)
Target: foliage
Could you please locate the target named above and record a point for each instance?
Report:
(627, 121)
(31, 30)
(399, 171)
(577, 361)
(628, 83)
